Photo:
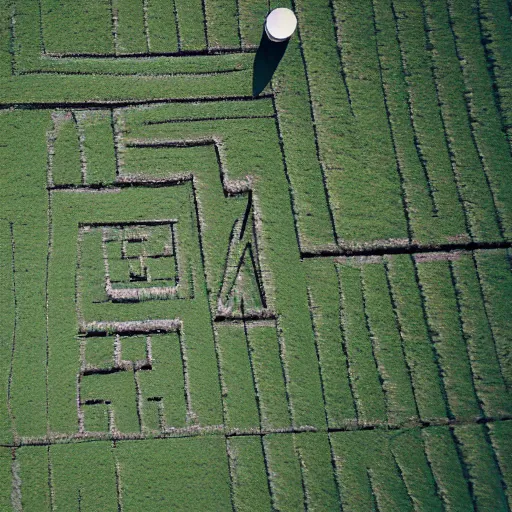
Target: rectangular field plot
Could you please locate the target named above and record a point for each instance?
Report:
(411, 103)
(432, 469)
(413, 337)
(177, 474)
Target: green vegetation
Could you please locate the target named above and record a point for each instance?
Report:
(216, 300)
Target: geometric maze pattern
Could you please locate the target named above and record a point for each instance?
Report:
(212, 297)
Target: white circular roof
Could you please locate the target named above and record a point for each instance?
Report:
(281, 23)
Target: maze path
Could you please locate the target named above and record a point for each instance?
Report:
(231, 353)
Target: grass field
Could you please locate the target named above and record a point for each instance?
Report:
(217, 300)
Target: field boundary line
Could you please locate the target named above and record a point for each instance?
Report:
(382, 250)
(93, 104)
(221, 430)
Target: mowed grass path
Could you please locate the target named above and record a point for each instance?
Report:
(294, 301)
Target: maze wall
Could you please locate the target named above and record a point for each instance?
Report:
(297, 300)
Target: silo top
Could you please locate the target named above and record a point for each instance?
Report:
(281, 24)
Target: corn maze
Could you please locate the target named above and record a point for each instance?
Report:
(295, 300)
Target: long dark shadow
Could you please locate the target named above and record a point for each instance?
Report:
(267, 59)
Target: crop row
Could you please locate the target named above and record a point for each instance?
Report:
(24, 249)
(81, 148)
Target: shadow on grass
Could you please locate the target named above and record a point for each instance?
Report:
(267, 59)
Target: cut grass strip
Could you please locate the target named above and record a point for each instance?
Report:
(489, 380)
(318, 471)
(248, 474)
(174, 474)
(162, 27)
(445, 328)
(57, 89)
(240, 401)
(444, 460)
(98, 146)
(390, 354)
(63, 345)
(66, 163)
(30, 233)
(222, 23)
(484, 473)
(493, 268)
(425, 227)
(325, 311)
(85, 474)
(409, 452)
(365, 145)
(7, 326)
(426, 117)
(5, 478)
(69, 27)
(35, 491)
(192, 28)
(135, 120)
(166, 380)
(252, 18)
(269, 377)
(496, 32)
(7, 31)
(368, 392)
(285, 472)
(501, 437)
(119, 389)
(420, 353)
(130, 36)
(294, 120)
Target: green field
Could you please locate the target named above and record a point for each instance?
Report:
(215, 298)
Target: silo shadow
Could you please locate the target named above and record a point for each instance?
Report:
(267, 59)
